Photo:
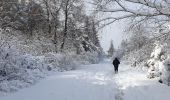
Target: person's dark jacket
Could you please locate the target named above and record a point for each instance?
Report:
(116, 62)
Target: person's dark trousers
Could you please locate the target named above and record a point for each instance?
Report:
(116, 68)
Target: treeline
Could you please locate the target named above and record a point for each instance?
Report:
(64, 22)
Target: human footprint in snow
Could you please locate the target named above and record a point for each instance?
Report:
(116, 63)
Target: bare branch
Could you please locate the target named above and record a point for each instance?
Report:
(149, 9)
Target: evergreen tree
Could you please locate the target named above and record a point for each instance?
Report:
(111, 49)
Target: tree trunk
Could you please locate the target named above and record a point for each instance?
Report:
(65, 26)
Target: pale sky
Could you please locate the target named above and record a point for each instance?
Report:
(111, 32)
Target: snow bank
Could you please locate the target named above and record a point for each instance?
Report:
(134, 85)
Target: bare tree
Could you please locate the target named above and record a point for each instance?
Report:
(20, 15)
(52, 9)
(142, 10)
(68, 10)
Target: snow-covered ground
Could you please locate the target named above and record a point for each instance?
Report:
(134, 85)
(95, 82)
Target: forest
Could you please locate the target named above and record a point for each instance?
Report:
(37, 36)
(53, 47)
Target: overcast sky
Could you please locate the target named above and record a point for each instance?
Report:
(111, 32)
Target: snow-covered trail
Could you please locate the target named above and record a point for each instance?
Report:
(95, 82)
(90, 82)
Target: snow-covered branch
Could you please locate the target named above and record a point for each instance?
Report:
(138, 8)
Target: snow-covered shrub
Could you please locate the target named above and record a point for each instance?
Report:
(159, 64)
(165, 72)
(15, 67)
(88, 58)
(17, 71)
(60, 61)
(138, 57)
(154, 63)
(69, 61)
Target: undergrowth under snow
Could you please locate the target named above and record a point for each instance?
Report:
(18, 71)
(25, 60)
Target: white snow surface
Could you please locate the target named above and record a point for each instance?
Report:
(95, 82)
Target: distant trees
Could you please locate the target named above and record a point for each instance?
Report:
(111, 49)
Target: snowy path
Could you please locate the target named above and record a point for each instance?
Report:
(95, 82)
(92, 82)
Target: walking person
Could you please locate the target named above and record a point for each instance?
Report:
(116, 63)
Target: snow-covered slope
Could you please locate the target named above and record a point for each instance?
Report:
(95, 82)
(134, 85)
